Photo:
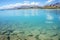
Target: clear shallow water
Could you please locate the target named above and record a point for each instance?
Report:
(43, 24)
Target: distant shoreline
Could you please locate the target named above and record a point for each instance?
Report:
(32, 8)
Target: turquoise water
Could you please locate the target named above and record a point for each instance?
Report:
(42, 22)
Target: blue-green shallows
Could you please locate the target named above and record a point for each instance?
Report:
(30, 24)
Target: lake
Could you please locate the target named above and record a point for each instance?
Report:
(30, 24)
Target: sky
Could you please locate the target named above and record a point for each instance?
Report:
(12, 3)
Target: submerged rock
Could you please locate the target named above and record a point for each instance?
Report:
(37, 37)
(54, 35)
(3, 37)
(25, 39)
(30, 35)
(8, 37)
(7, 33)
(59, 39)
(22, 32)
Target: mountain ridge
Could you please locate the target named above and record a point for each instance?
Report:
(51, 6)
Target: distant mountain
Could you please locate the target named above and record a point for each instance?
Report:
(27, 7)
(56, 4)
(53, 6)
(23, 7)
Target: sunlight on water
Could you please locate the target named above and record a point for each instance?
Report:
(59, 17)
(49, 17)
(49, 21)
